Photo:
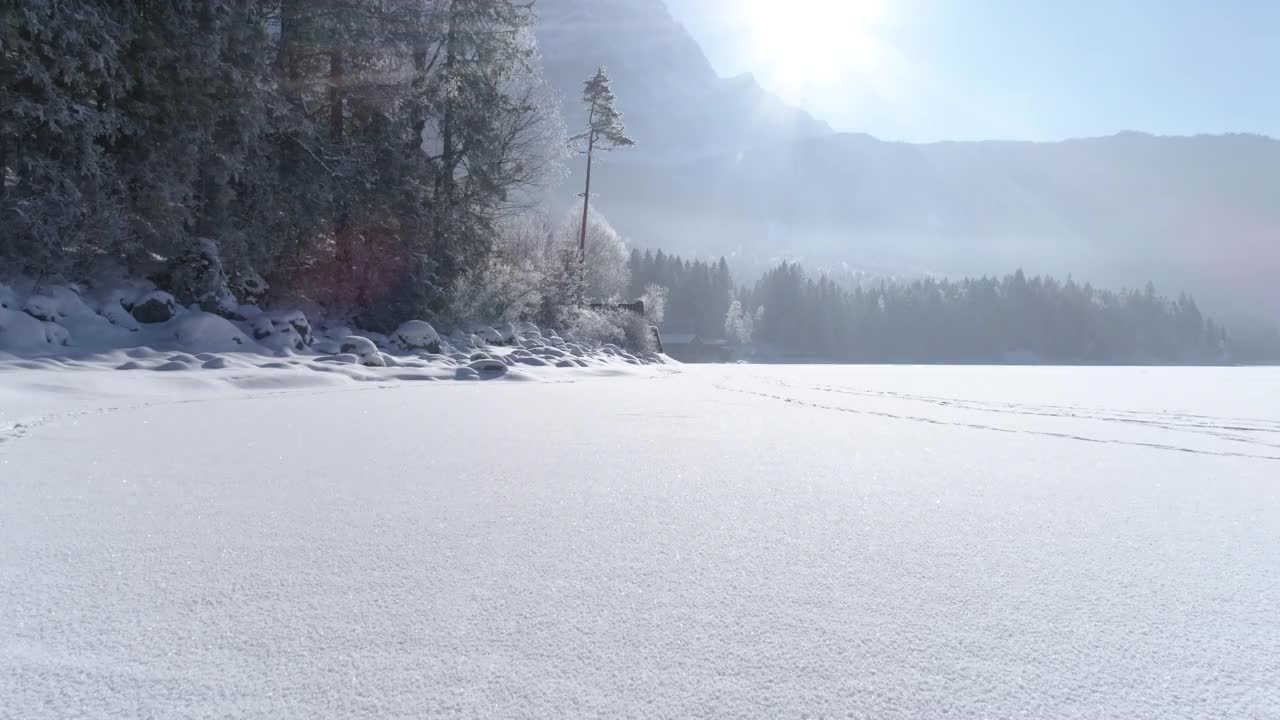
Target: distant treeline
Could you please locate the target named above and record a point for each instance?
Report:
(699, 292)
(929, 320)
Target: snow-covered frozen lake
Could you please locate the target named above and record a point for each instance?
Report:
(731, 541)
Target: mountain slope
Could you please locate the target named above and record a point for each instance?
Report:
(673, 101)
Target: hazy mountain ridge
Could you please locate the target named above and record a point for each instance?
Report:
(674, 102)
(1200, 213)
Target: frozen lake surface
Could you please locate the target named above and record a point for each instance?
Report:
(730, 541)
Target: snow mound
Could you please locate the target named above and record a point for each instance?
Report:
(489, 366)
(115, 308)
(41, 307)
(416, 335)
(282, 331)
(364, 349)
(493, 336)
(20, 331)
(206, 332)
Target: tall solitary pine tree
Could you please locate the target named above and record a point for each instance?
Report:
(605, 131)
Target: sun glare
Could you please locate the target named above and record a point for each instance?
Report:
(803, 42)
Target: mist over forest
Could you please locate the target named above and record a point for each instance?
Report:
(728, 169)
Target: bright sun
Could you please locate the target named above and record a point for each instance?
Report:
(814, 42)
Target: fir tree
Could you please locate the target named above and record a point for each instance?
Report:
(63, 74)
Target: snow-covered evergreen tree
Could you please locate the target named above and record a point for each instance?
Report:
(492, 130)
(436, 120)
(737, 324)
(359, 153)
(62, 76)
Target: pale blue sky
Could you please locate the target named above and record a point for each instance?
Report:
(1026, 69)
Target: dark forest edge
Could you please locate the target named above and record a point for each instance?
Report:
(789, 314)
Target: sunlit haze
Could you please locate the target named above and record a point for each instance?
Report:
(807, 46)
(928, 70)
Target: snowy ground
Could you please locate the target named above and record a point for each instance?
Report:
(709, 542)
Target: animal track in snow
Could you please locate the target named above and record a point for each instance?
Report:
(1237, 430)
(981, 426)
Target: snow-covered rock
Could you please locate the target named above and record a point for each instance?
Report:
(20, 331)
(57, 335)
(268, 335)
(115, 308)
(490, 335)
(206, 332)
(363, 348)
(357, 345)
(327, 346)
(489, 366)
(280, 331)
(155, 307)
(54, 303)
(41, 307)
(416, 335)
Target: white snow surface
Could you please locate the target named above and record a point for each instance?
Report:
(713, 541)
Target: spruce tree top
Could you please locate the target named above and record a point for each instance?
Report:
(604, 122)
